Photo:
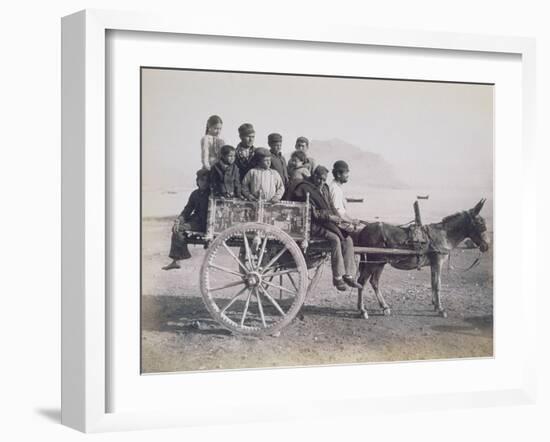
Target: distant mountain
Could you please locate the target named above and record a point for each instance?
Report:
(367, 168)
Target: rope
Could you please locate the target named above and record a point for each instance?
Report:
(474, 263)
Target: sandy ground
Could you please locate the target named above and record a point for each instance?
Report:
(178, 333)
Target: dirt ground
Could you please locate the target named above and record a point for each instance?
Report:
(178, 333)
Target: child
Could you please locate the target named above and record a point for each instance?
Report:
(278, 161)
(192, 219)
(262, 181)
(224, 176)
(211, 142)
(302, 144)
(245, 149)
(297, 169)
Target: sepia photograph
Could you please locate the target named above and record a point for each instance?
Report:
(305, 220)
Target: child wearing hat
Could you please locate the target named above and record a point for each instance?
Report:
(224, 176)
(245, 149)
(278, 161)
(262, 181)
(211, 142)
(192, 219)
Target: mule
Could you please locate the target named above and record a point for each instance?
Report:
(441, 238)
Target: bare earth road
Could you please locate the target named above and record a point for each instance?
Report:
(179, 335)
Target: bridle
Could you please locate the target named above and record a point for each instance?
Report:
(474, 227)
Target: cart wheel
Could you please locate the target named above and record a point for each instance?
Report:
(257, 292)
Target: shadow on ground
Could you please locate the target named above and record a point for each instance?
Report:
(475, 325)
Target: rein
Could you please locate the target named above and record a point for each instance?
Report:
(475, 263)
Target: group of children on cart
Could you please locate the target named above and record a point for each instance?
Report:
(249, 172)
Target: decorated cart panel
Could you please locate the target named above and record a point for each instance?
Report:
(291, 217)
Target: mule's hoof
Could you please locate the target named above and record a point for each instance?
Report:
(443, 313)
(436, 308)
(364, 315)
(387, 311)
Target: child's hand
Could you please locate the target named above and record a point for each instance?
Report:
(176, 225)
(275, 199)
(252, 198)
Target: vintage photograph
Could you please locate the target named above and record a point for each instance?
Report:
(303, 220)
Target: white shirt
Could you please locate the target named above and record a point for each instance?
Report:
(266, 181)
(337, 197)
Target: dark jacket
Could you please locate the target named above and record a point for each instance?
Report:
(278, 162)
(196, 208)
(321, 207)
(225, 180)
(244, 162)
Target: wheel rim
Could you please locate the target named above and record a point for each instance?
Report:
(254, 279)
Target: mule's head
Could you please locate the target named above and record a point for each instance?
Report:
(477, 231)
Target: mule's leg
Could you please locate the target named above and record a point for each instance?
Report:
(437, 266)
(364, 274)
(375, 283)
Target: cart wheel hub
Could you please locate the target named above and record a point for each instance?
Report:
(253, 279)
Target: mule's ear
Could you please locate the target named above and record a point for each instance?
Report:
(478, 206)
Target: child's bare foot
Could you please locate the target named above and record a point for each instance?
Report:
(173, 265)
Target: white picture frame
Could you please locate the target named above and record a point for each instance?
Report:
(86, 200)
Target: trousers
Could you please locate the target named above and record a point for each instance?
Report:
(342, 256)
(178, 244)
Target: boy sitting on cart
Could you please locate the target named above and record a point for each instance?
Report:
(192, 219)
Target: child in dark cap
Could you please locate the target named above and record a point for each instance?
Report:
(278, 161)
(224, 176)
(245, 149)
(192, 219)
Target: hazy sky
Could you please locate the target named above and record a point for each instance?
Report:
(432, 133)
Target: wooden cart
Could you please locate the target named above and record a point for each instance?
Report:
(260, 263)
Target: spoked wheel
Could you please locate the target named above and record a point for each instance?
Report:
(254, 279)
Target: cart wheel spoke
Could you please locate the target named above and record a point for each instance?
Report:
(233, 299)
(275, 258)
(280, 287)
(245, 311)
(292, 281)
(260, 307)
(231, 284)
(280, 272)
(275, 303)
(262, 251)
(241, 265)
(223, 269)
(247, 248)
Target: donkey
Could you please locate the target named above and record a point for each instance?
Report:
(442, 237)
